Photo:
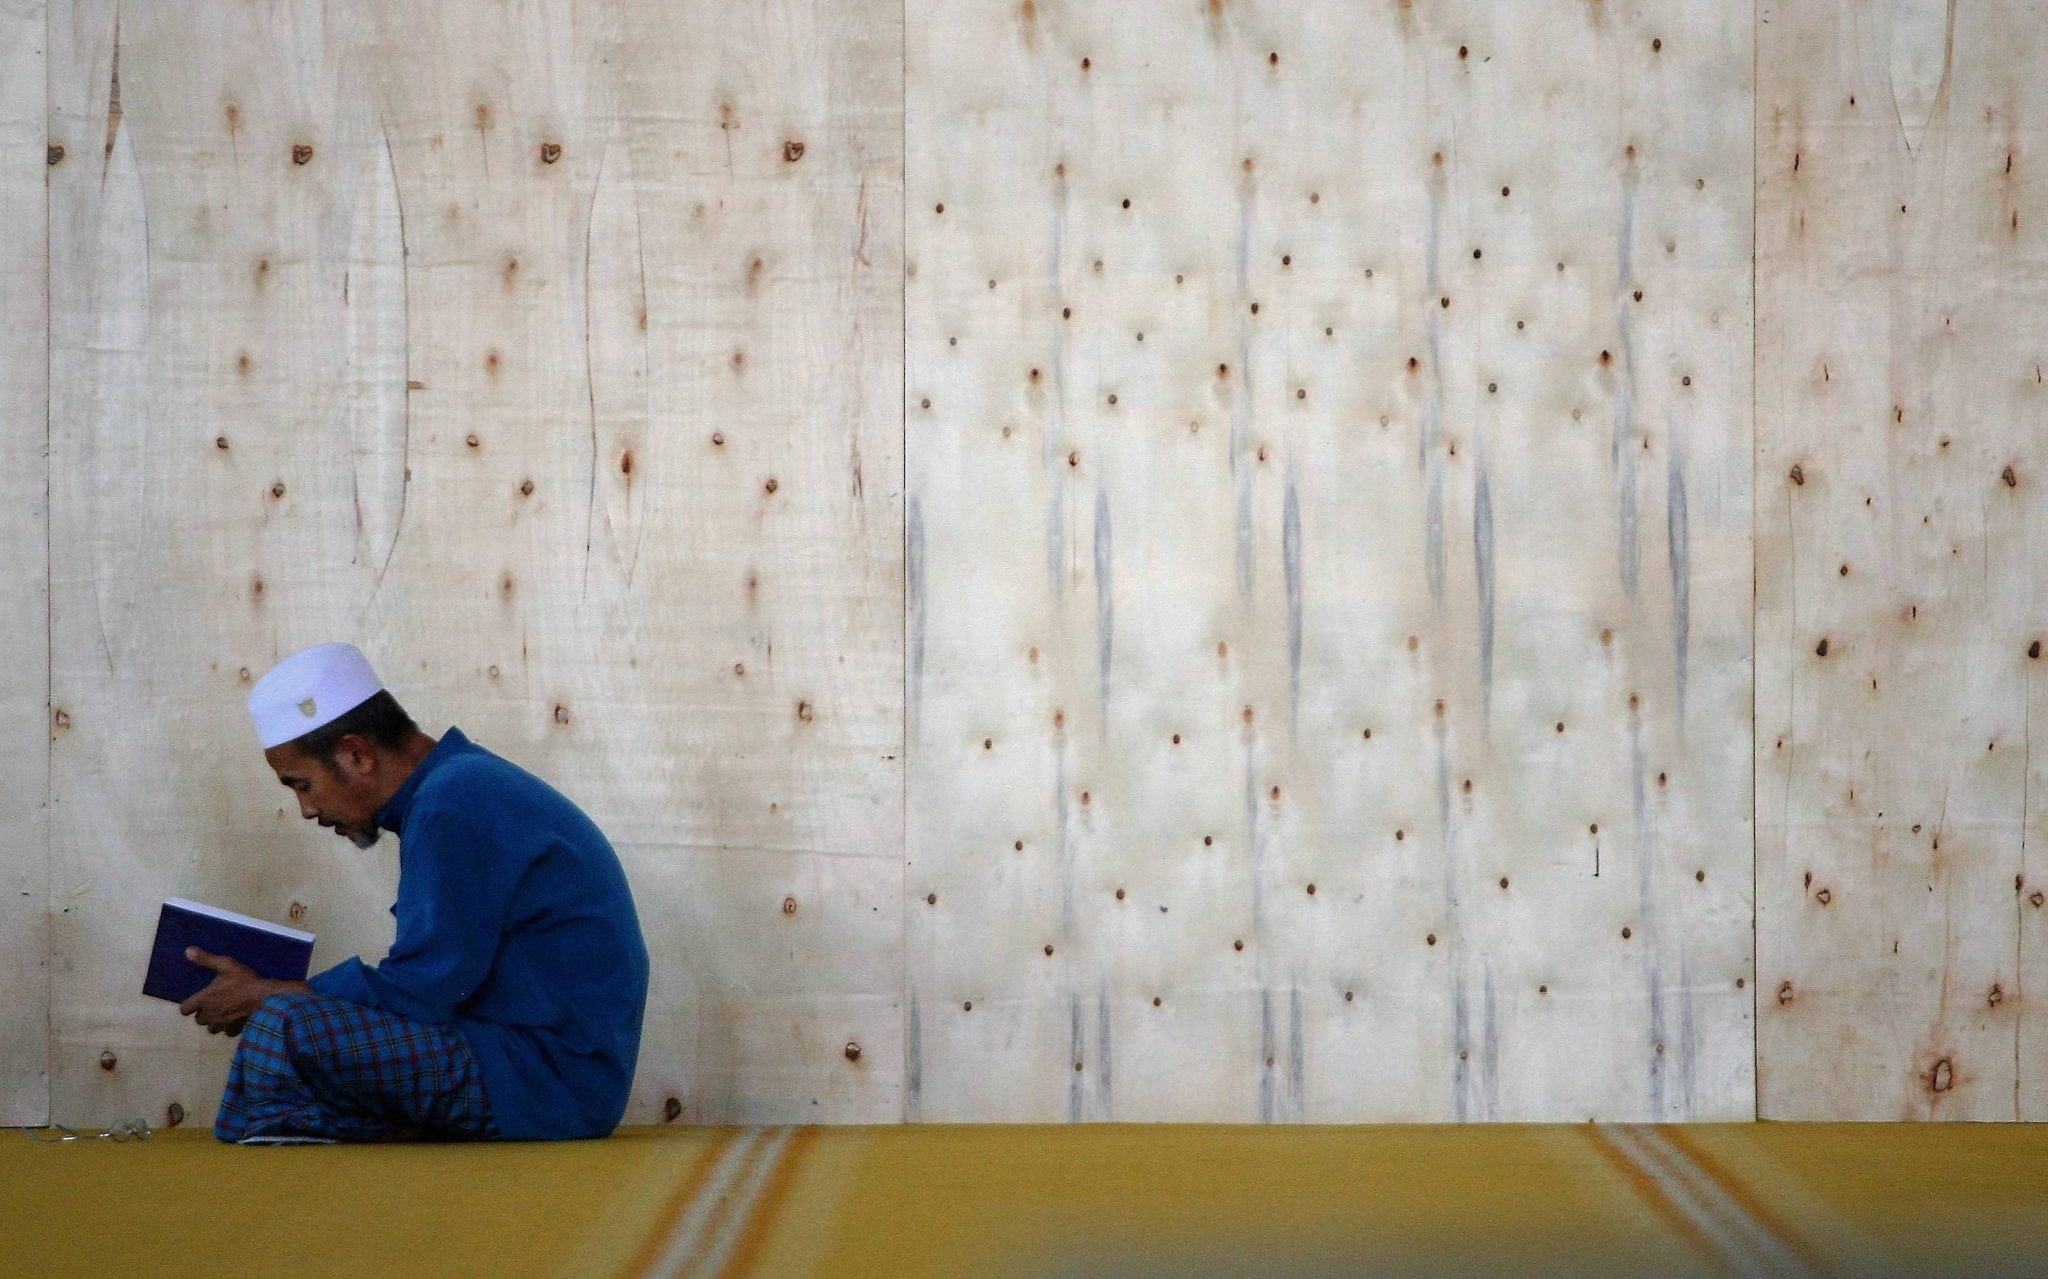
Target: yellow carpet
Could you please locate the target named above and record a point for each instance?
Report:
(1109, 1200)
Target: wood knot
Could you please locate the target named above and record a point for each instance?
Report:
(1942, 1077)
(792, 151)
(1785, 992)
(55, 156)
(108, 1061)
(671, 1110)
(1798, 475)
(550, 152)
(302, 153)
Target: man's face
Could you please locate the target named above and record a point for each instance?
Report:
(339, 795)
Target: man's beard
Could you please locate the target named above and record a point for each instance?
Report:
(365, 838)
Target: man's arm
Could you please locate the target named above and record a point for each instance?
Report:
(453, 894)
(234, 993)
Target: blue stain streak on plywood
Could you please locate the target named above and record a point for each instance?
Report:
(1290, 547)
(1678, 534)
(1105, 601)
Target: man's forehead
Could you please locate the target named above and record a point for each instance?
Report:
(288, 761)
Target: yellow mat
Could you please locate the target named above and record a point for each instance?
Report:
(1104, 1200)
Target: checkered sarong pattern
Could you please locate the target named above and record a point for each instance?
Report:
(312, 1065)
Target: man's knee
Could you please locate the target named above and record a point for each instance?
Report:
(284, 1016)
(268, 1059)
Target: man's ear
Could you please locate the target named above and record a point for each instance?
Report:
(355, 757)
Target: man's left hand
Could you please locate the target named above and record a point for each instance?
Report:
(234, 993)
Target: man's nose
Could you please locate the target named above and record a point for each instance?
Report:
(306, 809)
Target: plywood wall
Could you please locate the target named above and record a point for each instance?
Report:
(1902, 292)
(550, 353)
(1330, 471)
(1170, 560)
(24, 573)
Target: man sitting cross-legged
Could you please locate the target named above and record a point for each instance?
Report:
(510, 1004)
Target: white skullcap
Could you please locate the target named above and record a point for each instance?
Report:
(312, 687)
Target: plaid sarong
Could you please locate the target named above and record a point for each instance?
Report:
(315, 1066)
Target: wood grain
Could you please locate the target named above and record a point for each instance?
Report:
(25, 723)
(550, 355)
(1329, 541)
(1900, 285)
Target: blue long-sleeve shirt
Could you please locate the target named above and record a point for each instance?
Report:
(516, 925)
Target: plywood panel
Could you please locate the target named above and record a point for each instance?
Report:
(1901, 287)
(1329, 562)
(549, 355)
(24, 569)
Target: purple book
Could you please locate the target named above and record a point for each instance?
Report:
(274, 951)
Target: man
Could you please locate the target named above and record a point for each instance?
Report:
(511, 1001)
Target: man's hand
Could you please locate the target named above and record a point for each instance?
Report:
(233, 994)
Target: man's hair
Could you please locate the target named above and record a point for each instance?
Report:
(380, 720)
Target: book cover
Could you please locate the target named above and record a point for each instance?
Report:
(274, 951)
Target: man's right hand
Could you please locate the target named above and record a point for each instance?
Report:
(236, 992)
